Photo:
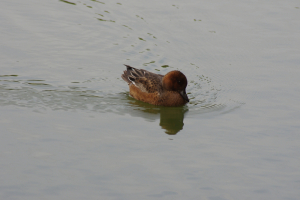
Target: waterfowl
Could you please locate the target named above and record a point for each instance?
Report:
(156, 89)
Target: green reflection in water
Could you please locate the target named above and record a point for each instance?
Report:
(7, 75)
(171, 118)
(152, 35)
(37, 84)
(127, 27)
(98, 1)
(103, 20)
(68, 2)
(145, 64)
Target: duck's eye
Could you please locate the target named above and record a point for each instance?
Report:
(179, 82)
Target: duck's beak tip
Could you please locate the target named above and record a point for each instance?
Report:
(184, 95)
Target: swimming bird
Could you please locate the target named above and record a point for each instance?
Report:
(156, 89)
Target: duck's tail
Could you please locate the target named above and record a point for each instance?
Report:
(126, 74)
(131, 74)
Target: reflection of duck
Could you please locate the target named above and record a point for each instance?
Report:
(156, 89)
(171, 118)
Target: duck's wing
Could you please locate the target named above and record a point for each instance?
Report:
(144, 80)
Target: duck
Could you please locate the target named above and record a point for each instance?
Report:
(156, 89)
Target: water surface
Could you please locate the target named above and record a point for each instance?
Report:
(70, 130)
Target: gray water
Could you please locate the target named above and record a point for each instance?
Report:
(70, 130)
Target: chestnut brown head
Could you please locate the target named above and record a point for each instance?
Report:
(176, 81)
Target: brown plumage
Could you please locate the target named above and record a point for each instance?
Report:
(156, 89)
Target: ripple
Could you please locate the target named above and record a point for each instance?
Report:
(205, 95)
(68, 2)
(41, 95)
(130, 37)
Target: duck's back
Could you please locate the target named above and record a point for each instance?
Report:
(144, 80)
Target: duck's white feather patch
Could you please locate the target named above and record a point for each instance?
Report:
(133, 83)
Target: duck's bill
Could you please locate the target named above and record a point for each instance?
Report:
(184, 95)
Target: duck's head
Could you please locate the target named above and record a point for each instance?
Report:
(176, 81)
